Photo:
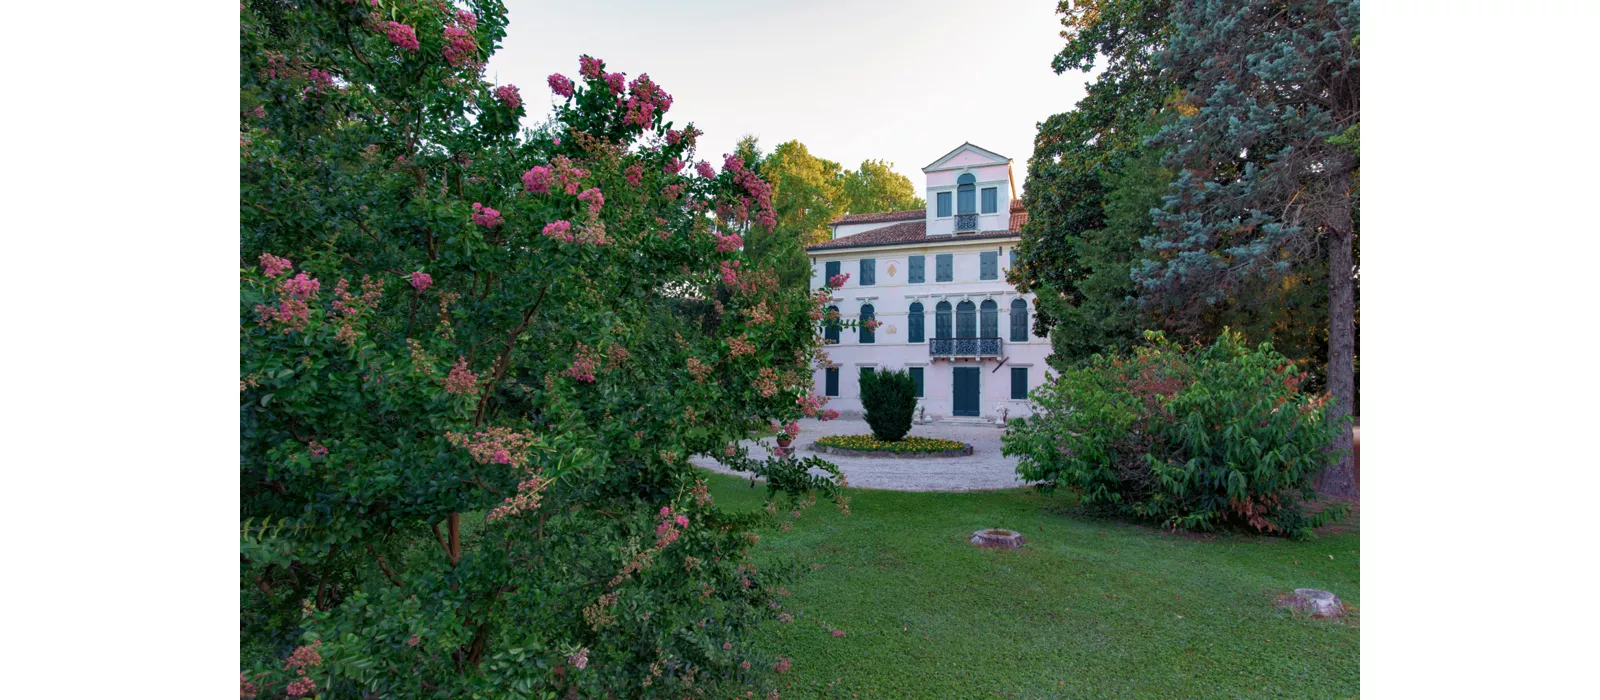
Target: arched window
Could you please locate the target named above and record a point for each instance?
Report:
(867, 334)
(914, 321)
(989, 319)
(966, 194)
(941, 320)
(1019, 321)
(966, 320)
(830, 325)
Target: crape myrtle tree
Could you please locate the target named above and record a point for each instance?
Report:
(1264, 182)
(475, 362)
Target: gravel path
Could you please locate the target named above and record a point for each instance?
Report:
(985, 469)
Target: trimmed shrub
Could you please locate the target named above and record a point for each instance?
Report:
(1196, 439)
(889, 398)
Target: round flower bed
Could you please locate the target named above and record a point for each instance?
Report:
(910, 447)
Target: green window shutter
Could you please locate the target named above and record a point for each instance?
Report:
(831, 326)
(944, 203)
(991, 199)
(989, 319)
(914, 322)
(944, 266)
(966, 320)
(831, 269)
(1019, 321)
(869, 272)
(989, 265)
(867, 335)
(830, 382)
(918, 265)
(941, 320)
(1013, 263)
(1019, 382)
(916, 379)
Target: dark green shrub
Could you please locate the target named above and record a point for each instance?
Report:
(1193, 439)
(889, 398)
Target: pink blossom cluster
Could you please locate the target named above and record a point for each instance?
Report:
(872, 324)
(485, 217)
(508, 95)
(739, 347)
(272, 265)
(837, 281)
(582, 369)
(672, 192)
(699, 370)
(402, 35)
(246, 688)
(673, 167)
(461, 379)
(413, 640)
(580, 659)
(635, 174)
(673, 137)
(645, 101)
(590, 67)
(782, 666)
(619, 355)
(767, 382)
(728, 243)
(730, 273)
(301, 286)
(320, 79)
(568, 177)
(459, 46)
(301, 687)
(670, 527)
(705, 170)
(811, 407)
(318, 449)
(537, 180)
(421, 281)
(304, 656)
(759, 190)
(793, 429)
(466, 19)
(594, 198)
(617, 83)
(529, 493)
(495, 445)
(560, 85)
(559, 230)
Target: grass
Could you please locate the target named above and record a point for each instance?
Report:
(1085, 608)
(868, 443)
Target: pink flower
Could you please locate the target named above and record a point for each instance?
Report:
(320, 79)
(617, 82)
(559, 230)
(459, 45)
(728, 243)
(582, 369)
(782, 666)
(485, 217)
(301, 286)
(829, 414)
(421, 281)
(537, 180)
(594, 198)
(502, 457)
(838, 633)
(461, 379)
(793, 429)
(402, 35)
(508, 94)
(673, 167)
(466, 19)
(318, 449)
(561, 85)
(635, 174)
(301, 688)
(673, 137)
(304, 656)
(272, 265)
(413, 641)
(705, 170)
(666, 511)
(590, 67)
(837, 281)
(681, 520)
(246, 688)
(580, 659)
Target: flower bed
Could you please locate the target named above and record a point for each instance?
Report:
(867, 445)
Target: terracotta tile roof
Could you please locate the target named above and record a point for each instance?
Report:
(900, 234)
(876, 217)
(1019, 216)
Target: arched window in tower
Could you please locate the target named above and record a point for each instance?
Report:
(941, 320)
(966, 320)
(1019, 321)
(966, 194)
(914, 322)
(989, 319)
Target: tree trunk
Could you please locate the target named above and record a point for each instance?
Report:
(1339, 479)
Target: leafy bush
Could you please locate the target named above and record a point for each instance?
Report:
(473, 367)
(889, 397)
(1193, 439)
(868, 443)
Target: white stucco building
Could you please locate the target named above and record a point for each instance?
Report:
(936, 280)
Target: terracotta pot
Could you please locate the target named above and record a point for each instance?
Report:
(784, 441)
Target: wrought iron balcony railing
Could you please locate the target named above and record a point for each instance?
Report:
(964, 347)
(966, 222)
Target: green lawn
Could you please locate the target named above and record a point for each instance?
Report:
(1085, 608)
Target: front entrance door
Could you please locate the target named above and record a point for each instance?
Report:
(964, 395)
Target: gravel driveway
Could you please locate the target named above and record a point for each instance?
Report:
(985, 469)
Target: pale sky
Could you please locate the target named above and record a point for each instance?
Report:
(898, 80)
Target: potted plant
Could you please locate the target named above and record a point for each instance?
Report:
(786, 437)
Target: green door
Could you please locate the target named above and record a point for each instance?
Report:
(964, 396)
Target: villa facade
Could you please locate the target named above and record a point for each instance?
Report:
(935, 279)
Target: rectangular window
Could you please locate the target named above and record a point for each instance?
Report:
(989, 265)
(918, 264)
(831, 269)
(869, 272)
(1019, 382)
(1012, 263)
(944, 203)
(830, 381)
(945, 268)
(916, 379)
(991, 200)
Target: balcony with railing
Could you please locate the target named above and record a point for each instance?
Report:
(951, 348)
(966, 223)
